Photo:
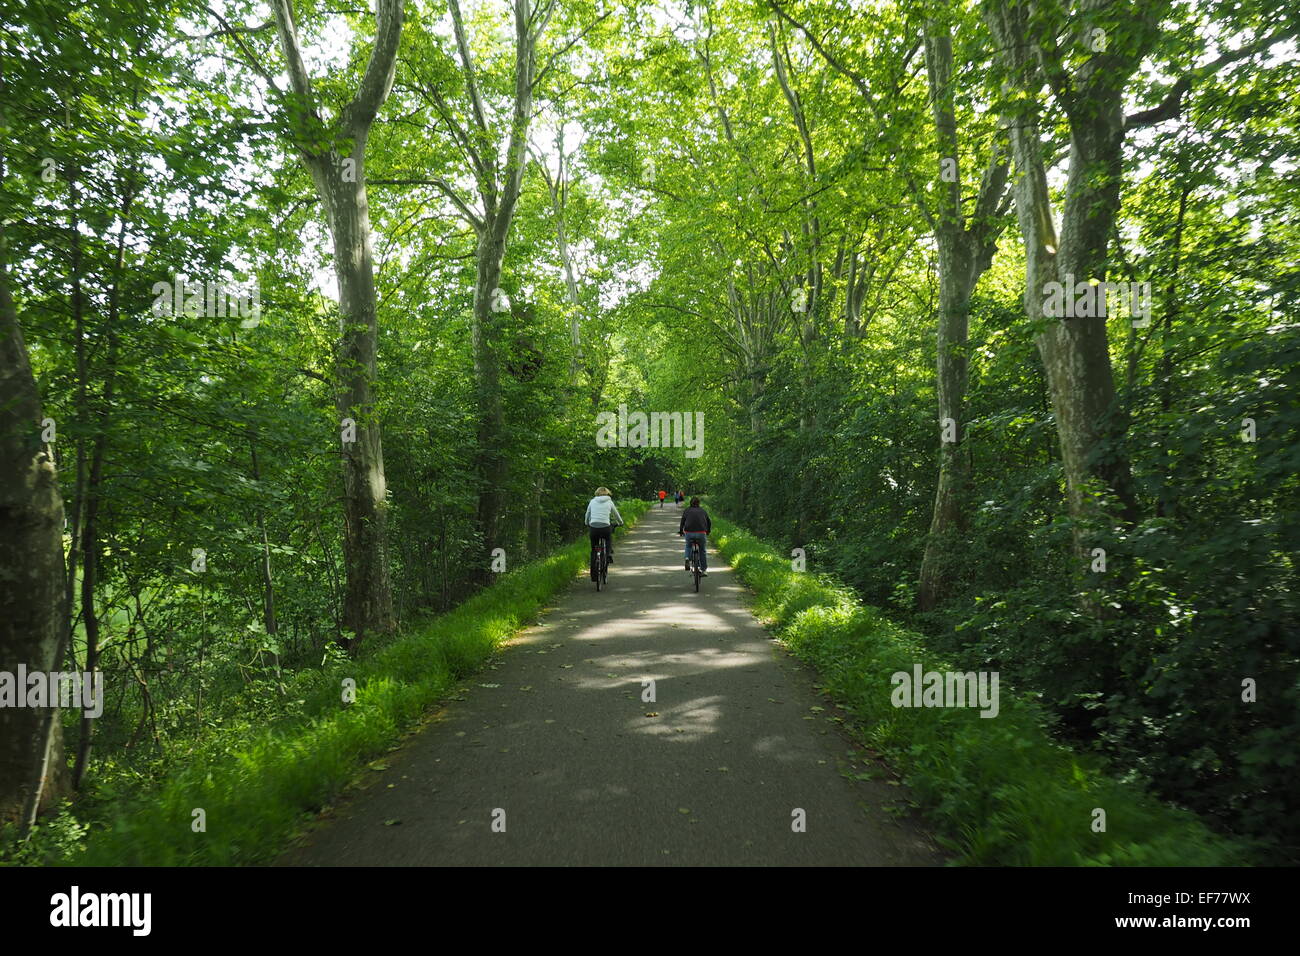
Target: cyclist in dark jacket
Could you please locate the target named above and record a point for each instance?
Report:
(695, 526)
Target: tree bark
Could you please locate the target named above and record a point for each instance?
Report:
(491, 458)
(264, 565)
(965, 252)
(83, 381)
(368, 599)
(1075, 350)
(499, 189)
(90, 544)
(33, 630)
(338, 171)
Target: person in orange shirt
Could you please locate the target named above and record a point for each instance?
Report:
(662, 496)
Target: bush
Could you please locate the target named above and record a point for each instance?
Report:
(1000, 790)
(255, 784)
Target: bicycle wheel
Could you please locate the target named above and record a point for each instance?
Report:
(696, 565)
(600, 565)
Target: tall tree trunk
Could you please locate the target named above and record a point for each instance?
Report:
(83, 379)
(952, 367)
(338, 171)
(965, 253)
(33, 631)
(484, 334)
(499, 186)
(368, 599)
(90, 544)
(1075, 350)
(1166, 501)
(535, 516)
(264, 565)
(90, 576)
(558, 189)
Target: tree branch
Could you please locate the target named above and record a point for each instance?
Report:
(443, 187)
(382, 66)
(467, 67)
(1171, 106)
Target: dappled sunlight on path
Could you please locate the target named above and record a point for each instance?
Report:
(562, 734)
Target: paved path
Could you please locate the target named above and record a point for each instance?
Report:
(556, 735)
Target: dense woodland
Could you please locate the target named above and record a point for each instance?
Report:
(454, 233)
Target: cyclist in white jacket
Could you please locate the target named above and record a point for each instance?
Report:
(602, 514)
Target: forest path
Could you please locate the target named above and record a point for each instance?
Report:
(556, 734)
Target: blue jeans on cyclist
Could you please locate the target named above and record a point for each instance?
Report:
(703, 539)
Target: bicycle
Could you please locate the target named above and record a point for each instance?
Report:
(697, 561)
(600, 561)
(600, 564)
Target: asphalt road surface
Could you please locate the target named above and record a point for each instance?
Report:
(553, 756)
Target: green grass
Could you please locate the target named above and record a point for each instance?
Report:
(1000, 791)
(255, 785)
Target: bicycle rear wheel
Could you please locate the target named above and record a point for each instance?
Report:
(696, 564)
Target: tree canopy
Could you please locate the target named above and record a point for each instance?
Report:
(310, 310)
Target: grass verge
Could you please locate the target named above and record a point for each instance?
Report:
(999, 790)
(254, 786)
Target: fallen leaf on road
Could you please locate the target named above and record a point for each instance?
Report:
(681, 810)
(489, 685)
(652, 713)
(391, 823)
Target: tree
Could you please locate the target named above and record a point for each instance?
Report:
(32, 591)
(965, 245)
(965, 251)
(334, 153)
(498, 184)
